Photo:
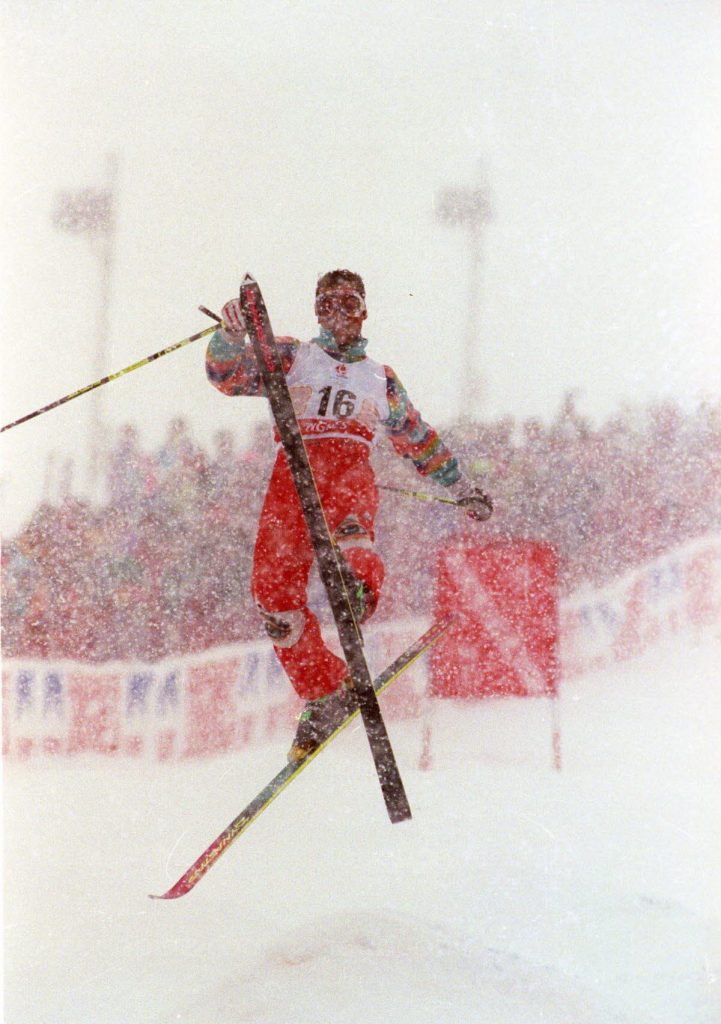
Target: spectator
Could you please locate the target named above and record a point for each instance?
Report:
(141, 578)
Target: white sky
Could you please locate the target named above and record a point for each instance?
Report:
(286, 138)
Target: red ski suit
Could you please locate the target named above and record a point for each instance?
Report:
(340, 401)
(284, 554)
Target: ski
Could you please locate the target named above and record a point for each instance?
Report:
(291, 771)
(329, 567)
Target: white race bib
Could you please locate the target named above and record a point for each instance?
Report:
(335, 399)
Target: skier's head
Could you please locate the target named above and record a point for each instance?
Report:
(340, 305)
(336, 277)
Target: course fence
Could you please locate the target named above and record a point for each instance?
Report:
(228, 698)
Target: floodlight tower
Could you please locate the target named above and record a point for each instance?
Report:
(470, 209)
(90, 212)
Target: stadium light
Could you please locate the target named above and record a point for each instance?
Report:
(90, 212)
(470, 209)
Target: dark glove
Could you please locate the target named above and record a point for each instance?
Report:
(475, 502)
(478, 506)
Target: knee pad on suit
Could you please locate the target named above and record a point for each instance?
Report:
(352, 534)
(284, 628)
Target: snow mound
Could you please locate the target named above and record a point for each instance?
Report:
(516, 895)
(376, 968)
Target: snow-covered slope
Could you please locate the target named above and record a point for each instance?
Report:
(517, 895)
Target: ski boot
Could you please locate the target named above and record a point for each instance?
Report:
(319, 718)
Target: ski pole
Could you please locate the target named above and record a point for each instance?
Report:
(112, 376)
(420, 495)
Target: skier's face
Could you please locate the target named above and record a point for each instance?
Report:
(341, 310)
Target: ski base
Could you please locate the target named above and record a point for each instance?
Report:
(286, 775)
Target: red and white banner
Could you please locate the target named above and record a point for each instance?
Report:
(679, 592)
(187, 707)
(507, 635)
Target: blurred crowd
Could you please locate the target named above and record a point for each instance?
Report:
(162, 566)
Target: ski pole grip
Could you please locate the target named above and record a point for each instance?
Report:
(211, 314)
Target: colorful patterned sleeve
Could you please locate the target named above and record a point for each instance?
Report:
(232, 369)
(414, 439)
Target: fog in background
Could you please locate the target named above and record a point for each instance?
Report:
(289, 138)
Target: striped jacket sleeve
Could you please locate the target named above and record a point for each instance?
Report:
(415, 439)
(232, 369)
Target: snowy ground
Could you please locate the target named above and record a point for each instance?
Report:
(517, 895)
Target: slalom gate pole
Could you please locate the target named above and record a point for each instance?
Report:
(113, 376)
(556, 731)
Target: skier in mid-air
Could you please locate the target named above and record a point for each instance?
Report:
(341, 399)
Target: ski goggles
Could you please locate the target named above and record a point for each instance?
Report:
(349, 303)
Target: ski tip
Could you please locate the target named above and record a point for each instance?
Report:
(248, 279)
(171, 894)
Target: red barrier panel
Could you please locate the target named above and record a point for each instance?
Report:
(506, 638)
(95, 721)
(211, 710)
